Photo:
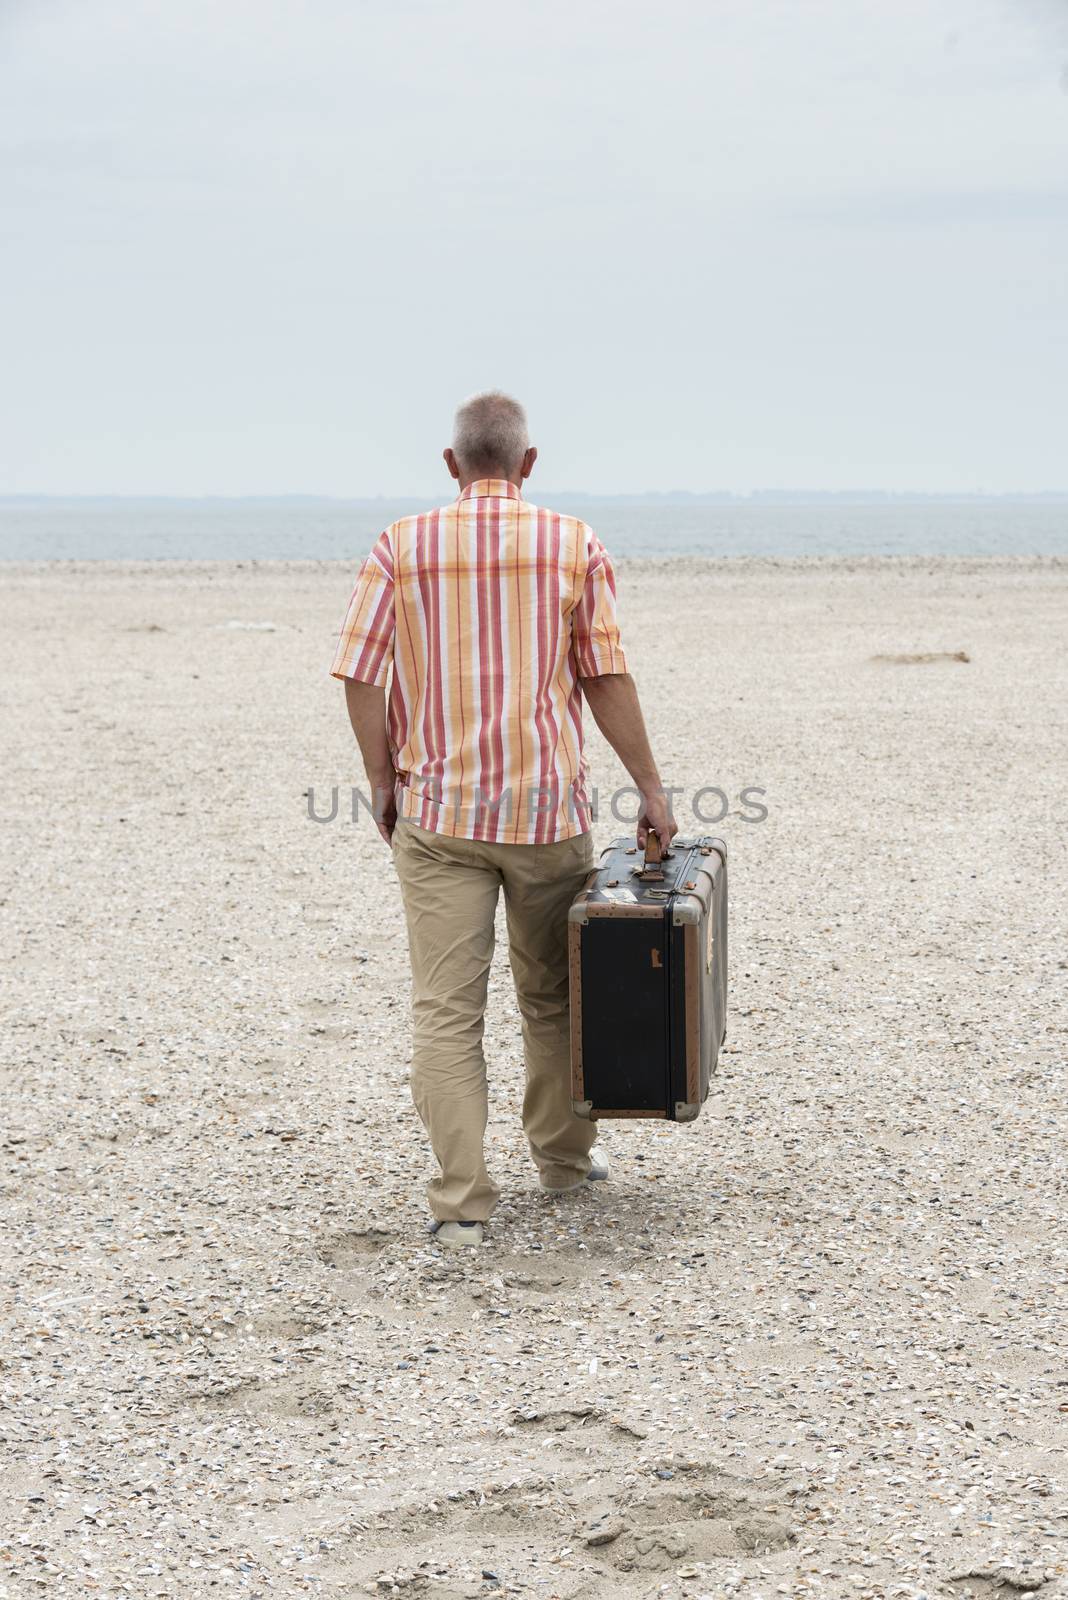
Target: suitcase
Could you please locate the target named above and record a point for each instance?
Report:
(647, 947)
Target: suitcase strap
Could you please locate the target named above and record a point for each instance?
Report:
(683, 882)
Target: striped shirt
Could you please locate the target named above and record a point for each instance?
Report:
(489, 611)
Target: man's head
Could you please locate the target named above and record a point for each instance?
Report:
(490, 440)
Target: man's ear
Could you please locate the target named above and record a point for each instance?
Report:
(451, 462)
(529, 459)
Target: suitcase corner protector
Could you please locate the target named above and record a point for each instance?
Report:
(577, 912)
(583, 1108)
(685, 1112)
(687, 911)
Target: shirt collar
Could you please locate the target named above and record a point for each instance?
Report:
(496, 488)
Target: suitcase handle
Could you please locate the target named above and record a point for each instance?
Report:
(652, 868)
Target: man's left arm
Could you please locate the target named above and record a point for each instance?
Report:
(601, 668)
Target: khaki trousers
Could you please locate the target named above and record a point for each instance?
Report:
(450, 889)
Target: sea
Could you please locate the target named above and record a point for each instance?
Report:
(651, 526)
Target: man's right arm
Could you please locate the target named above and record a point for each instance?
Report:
(362, 660)
(613, 701)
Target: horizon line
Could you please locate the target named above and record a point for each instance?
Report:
(708, 496)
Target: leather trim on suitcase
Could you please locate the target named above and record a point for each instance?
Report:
(574, 959)
(605, 1111)
(618, 908)
(693, 1013)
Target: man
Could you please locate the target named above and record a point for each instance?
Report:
(497, 618)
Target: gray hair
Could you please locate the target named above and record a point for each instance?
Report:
(490, 434)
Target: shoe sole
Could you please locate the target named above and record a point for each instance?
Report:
(591, 1177)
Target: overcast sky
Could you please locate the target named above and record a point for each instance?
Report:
(267, 245)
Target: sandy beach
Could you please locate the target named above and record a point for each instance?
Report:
(814, 1344)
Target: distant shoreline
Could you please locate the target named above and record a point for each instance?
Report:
(697, 565)
(323, 530)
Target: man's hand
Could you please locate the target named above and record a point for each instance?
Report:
(656, 818)
(384, 811)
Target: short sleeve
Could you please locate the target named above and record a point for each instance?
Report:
(595, 632)
(365, 646)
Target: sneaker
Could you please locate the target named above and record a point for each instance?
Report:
(457, 1235)
(597, 1174)
(598, 1166)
